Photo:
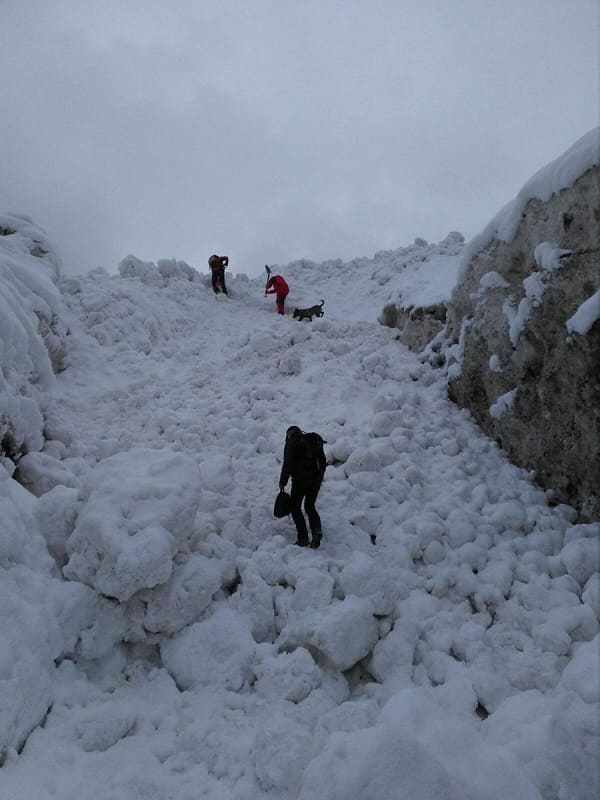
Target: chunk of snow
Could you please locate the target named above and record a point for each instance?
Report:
(503, 404)
(586, 315)
(581, 674)
(494, 363)
(493, 280)
(547, 256)
(138, 513)
(344, 633)
(216, 652)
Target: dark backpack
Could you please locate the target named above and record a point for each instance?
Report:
(313, 454)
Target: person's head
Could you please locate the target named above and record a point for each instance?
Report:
(292, 431)
(214, 258)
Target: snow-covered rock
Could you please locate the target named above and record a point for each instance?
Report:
(31, 332)
(539, 320)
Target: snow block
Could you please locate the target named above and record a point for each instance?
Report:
(139, 512)
(343, 633)
(216, 652)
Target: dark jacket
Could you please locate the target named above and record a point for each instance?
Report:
(218, 262)
(296, 464)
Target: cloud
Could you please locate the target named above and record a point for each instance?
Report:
(271, 131)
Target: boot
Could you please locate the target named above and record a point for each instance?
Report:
(302, 542)
(316, 539)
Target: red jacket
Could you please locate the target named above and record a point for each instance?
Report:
(276, 285)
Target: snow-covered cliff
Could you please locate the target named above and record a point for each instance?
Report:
(524, 327)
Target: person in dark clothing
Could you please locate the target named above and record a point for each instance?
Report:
(217, 266)
(304, 461)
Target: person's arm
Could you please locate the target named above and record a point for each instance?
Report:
(285, 469)
(322, 464)
(224, 261)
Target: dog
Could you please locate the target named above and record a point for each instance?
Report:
(309, 313)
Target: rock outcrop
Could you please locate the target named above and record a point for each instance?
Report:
(523, 328)
(418, 325)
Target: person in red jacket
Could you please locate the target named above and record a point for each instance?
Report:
(276, 285)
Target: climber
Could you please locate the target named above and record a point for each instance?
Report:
(217, 266)
(276, 285)
(304, 461)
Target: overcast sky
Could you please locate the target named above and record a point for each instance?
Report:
(272, 130)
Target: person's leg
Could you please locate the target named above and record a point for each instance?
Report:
(222, 279)
(297, 495)
(214, 281)
(314, 519)
(280, 299)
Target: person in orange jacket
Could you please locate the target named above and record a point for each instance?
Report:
(276, 285)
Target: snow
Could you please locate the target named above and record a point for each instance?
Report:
(136, 516)
(503, 404)
(28, 298)
(493, 280)
(164, 637)
(586, 315)
(547, 256)
(420, 275)
(517, 319)
(494, 363)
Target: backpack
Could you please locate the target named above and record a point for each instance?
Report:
(313, 454)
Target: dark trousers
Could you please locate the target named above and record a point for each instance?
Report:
(218, 276)
(307, 492)
(280, 300)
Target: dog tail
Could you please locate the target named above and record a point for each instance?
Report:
(322, 303)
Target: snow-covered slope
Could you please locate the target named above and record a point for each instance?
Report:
(420, 274)
(442, 642)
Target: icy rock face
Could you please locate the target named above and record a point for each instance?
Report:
(530, 379)
(31, 334)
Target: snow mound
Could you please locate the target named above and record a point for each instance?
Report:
(418, 750)
(30, 332)
(137, 514)
(342, 634)
(217, 652)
